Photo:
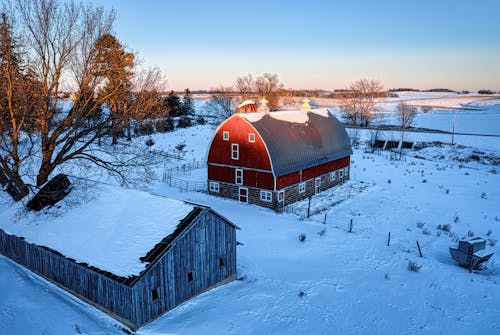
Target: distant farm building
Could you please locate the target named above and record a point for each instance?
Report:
(190, 249)
(276, 158)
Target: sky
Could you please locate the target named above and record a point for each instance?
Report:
(316, 43)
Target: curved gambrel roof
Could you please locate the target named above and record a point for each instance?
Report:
(298, 140)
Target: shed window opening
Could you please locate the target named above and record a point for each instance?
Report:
(281, 196)
(266, 196)
(238, 177)
(225, 136)
(251, 137)
(332, 176)
(214, 187)
(190, 276)
(154, 294)
(235, 151)
(341, 173)
(221, 262)
(302, 187)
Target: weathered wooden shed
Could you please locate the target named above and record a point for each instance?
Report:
(195, 253)
(275, 158)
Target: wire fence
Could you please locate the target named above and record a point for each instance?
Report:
(170, 176)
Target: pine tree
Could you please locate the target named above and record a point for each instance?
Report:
(115, 65)
(187, 103)
(173, 104)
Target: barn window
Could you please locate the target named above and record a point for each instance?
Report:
(238, 177)
(251, 137)
(341, 173)
(190, 276)
(154, 294)
(332, 176)
(302, 187)
(346, 170)
(214, 187)
(221, 262)
(225, 136)
(235, 151)
(266, 196)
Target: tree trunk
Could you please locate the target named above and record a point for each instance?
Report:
(13, 185)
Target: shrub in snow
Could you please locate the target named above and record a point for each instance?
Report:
(426, 231)
(492, 242)
(201, 120)
(150, 142)
(184, 122)
(322, 232)
(164, 125)
(387, 276)
(438, 233)
(456, 218)
(388, 181)
(424, 181)
(447, 191)
(302, 294)
(470, 233)
(180, 146)
(489, 232)
(445, 227)
(420, 225)
(302, 237)
(412, 266)
(483, 195)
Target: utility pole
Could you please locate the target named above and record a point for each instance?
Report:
(453, 132)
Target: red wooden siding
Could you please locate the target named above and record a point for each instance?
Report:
(313, 172)
(264, 180)
(252, 155)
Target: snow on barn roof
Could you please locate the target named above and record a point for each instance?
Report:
(299, 139)
(111, 231)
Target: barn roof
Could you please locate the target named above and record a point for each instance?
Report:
(298, 140)
(114, 231)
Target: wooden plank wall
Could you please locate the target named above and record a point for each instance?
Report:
(197, 250)
(104, 291)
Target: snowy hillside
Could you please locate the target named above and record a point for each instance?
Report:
(334, 281)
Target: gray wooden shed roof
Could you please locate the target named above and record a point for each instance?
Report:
(299, 140)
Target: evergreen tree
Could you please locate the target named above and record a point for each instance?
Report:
(173, 104)
(187, 103)
(115, 65)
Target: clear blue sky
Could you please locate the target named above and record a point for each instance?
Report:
(316, 43)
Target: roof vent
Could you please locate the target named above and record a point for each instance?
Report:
(263, 106)
(305, 106)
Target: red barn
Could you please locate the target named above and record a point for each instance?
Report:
(273, 159)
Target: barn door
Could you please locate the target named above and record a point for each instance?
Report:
(243, 194)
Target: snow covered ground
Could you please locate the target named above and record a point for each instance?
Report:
(334, 281)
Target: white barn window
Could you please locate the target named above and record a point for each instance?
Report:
(346, 171)
(302, 187)
(225, 136)
(251, 137)
(235, 151)
(266, 196)
(214, 187)
(238, 177)
(332, 176)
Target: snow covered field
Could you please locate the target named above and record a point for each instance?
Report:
(334, 281)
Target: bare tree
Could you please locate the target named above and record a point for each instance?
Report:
(359, 101)
(245, 86)
(223, 102)
(406, 116)
(270, 87)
